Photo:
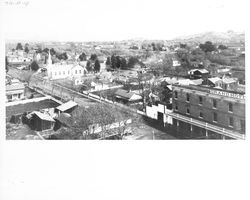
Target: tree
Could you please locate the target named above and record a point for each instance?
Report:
(83, 57)
(26, 50)
(27, 76)
(62, 56)
(108, 61)
(124, 63)
(34, 66)
(97, 66)
(222, 47)
(52, 52)
(118, 62)
(207, 47)
(39, 50)
(93, 57)
(113, 61)
(98, 114)
(19, 46)
(132, 61)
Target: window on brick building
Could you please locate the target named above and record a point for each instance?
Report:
(231, 121)
(214, 103)
(188, 111)
(215, 117)
(242, 125)
(176, 107)
(230, 107)
(200, 100)
(175, 94)
(201, 115)
(188, 97)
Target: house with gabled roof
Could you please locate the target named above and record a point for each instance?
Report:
(127, 96)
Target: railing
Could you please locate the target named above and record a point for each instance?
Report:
(217, 129)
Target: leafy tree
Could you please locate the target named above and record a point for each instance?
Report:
(46, 50)
(132, 61)
(124, 63)
(97, 66)
(98, 114)
(26, 49)
(222, 47)
(19, 46)
(26, 76)
(219, 59)
(34, 66)
(207, 47)
(62, 56)
(118, 62)
(83, 57)
(39, 50)
(52, 52)
(113, 61)
(93, 57)
(162, 92)
(183, 45)
(108, 61)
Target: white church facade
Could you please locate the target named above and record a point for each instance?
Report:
(64, 70)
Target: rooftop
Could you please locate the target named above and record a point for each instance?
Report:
(123, 93)
(43, 116)
(16, 86)
(66, 106)
(29, 107)
(203, 71)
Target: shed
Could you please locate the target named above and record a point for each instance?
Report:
(66, 107)
(127, 96)
(198, 73)
(41, 121)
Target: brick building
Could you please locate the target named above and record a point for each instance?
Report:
(218, 108)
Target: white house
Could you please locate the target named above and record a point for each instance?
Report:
(64, 70)
(176, 63)
(15, 91)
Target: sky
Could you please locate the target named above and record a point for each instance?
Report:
(109, 20)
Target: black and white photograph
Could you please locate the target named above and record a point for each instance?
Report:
(99, 79)
(95, 92)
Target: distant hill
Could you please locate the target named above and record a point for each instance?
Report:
(215, 37)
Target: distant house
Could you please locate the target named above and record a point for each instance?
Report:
(213, 82)
(190, 82)
(229, 83)
(198, 73)
(127, 96)
(40, 121)
(98, 86)
(66, 107)
(176, 63)
(106, 76)
(14, 92)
